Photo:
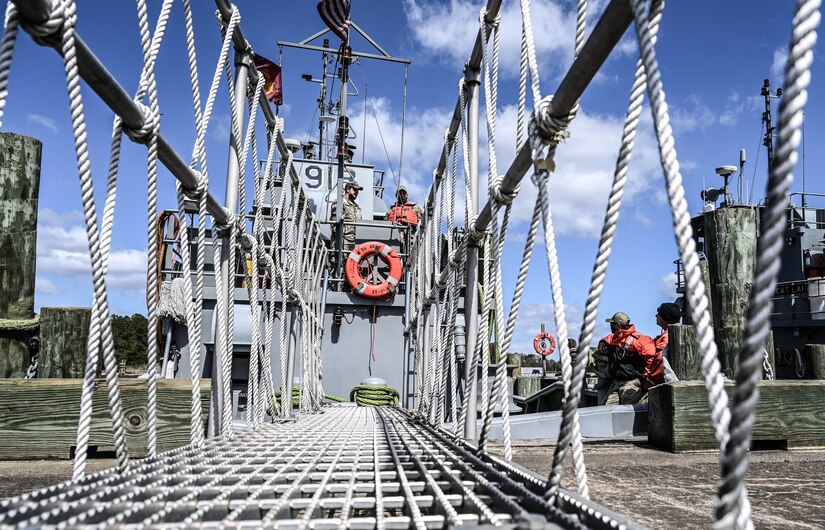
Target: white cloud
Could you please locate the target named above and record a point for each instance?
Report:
(692, 115)
(447, 30)
(553, 23)
(62, 251)
(46, 286)
(579, 187)
(667, 285)
(43, 121)
(780, 57)
(423, 141)
(47, 216)
(585, 164)
(219, 127)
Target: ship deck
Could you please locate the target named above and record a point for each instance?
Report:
(305, 467)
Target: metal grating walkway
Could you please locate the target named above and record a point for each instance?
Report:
(349, 467)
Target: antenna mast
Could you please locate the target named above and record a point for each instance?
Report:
(766, 119)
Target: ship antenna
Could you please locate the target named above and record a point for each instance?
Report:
(766, 119)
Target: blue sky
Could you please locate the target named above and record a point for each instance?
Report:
(714, 56)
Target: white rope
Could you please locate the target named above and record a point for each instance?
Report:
(252, 398)
(10, 30)
(152, 292)
(100, 331)
(734, 509)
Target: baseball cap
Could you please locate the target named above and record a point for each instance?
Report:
(352, 183)
(400, 189)
(619, 318)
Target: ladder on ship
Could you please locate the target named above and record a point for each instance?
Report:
(382, 467)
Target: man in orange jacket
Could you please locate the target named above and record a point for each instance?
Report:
(633, 365)
(403, 211)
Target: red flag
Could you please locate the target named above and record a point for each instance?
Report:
(335, 14)
(272, 79)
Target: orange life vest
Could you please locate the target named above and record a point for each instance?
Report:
(403, 213)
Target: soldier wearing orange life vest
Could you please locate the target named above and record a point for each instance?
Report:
(633, 365)
(403, 211)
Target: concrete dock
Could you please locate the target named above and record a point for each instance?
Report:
(655, 488)
(664, 490)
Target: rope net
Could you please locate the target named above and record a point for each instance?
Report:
(281, 247)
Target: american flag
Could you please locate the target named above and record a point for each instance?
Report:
(335, 14)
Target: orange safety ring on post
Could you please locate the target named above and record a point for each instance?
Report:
(386, 254)
(540, 348)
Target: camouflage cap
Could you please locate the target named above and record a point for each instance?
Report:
(352, 183)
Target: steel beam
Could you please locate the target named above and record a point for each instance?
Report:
(613, 23)
(471, 294)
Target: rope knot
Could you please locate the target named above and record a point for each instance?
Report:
(474, 234)
(48, 32)
(230, 218)
(482, 18)
(501, 196)
(200, 190)
(151, 123)
(545, 129)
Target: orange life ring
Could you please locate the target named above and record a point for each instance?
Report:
(537, 344)
(386, 254)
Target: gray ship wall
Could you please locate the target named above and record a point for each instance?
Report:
(348, 349)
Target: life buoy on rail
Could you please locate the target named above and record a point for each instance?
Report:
(364, 286)
(540, 346)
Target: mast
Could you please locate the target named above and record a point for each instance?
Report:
(322, 100)
(341, 140)
(766, 119)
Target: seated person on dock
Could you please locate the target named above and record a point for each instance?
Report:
(667, 314)
(633, 365)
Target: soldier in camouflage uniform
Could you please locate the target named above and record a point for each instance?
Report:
(352, 213)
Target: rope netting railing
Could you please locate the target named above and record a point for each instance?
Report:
(285, 241)
(279, 246)
(537, 138)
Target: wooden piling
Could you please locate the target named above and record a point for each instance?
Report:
(730, 247)
(815, 358)
(19, 189)
(683, 352)
(64, 332)
(686, 359)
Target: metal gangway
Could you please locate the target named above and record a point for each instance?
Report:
(382, 467)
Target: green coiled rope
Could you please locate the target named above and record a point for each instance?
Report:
(296, 400)
(374, 395)
(362, 395)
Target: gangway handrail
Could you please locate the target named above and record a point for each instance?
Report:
(110, 91)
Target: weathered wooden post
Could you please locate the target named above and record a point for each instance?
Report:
(64, 332)
(705, 268)
(730, 247)
(19, 190)
(815, 357)
(683, 352)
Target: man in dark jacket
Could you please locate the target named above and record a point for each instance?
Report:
(667, 314)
